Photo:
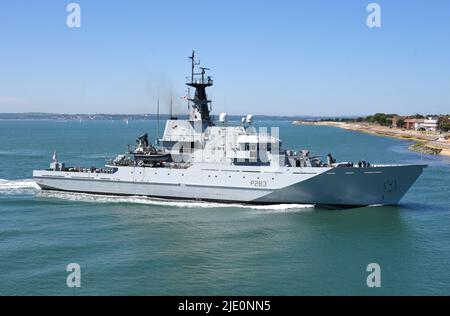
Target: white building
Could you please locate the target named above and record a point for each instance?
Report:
(429, 124)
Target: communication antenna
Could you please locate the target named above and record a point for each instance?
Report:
(157, 119)
(187, 98)
(171, 105)
(193, 64)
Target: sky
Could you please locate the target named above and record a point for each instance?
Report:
(298, 57)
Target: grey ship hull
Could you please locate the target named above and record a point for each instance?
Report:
(326, 186)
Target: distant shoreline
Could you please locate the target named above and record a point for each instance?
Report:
(426, 142)
(136, 117)
(76, 117)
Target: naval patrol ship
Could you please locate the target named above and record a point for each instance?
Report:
(202, 158)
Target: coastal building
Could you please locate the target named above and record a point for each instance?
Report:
(413, 123)
(394, 121)
(429, 124)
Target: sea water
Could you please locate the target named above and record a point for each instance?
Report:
(143, 246)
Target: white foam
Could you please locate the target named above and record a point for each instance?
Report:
(282, 208)
(18, 184)
(95, 198)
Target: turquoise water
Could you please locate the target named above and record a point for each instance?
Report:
(143, 246)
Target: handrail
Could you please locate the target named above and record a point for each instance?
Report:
(199, 80)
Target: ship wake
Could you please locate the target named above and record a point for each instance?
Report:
(14, 187)
(95, 198)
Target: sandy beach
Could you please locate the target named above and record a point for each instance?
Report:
(432, 141)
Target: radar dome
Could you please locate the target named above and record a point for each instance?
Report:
(223, 117)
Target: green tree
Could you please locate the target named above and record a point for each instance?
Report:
(380, 118)
(445, 126)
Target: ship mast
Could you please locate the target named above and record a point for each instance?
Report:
(157, 119)
(200, 81)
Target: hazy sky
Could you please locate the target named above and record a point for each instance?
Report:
(311, 57)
